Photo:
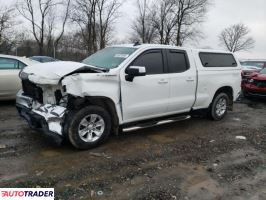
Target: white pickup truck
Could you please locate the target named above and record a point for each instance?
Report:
(126, 87)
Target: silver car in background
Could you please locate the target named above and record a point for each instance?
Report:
(10, 82)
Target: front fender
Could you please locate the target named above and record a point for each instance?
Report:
(85, 85)
(102, 85)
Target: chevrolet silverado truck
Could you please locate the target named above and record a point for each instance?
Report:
(126, 87)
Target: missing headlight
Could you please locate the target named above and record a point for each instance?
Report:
(58, 96)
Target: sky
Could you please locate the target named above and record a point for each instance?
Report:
(222, 13)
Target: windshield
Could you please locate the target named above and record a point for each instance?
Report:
(109, 58)
(253, 63)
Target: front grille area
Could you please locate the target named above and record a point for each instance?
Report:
(261, 84)
(247, 74)
(32, 90)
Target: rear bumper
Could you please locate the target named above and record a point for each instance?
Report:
(47, 119)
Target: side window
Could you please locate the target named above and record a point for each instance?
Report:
(8, 63)
(217, 60)
(152, 60)
(21, 65)
(177, 61)
(46, 59)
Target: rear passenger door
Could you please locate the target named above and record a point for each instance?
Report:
(9, 79)
(183, 81)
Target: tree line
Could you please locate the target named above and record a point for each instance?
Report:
(74, 29)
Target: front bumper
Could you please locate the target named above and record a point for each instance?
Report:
(47, 119)
(253, 90)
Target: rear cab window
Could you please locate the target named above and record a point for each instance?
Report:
(209, 60)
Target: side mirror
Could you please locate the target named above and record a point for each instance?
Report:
(134, 71)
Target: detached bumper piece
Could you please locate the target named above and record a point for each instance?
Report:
(45, 118)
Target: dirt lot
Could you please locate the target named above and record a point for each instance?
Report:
(194, 159)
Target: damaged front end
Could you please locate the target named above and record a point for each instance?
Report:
(47, 118)
(43, 100)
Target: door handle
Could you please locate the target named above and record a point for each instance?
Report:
(190, 80)
(163, 81)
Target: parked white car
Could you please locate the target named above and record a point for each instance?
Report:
(129, 87)
(10, 82)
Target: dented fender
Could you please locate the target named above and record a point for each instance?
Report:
(96, 85)
(106, 85)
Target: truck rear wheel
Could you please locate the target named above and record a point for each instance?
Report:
(219, 107)
(89, 127)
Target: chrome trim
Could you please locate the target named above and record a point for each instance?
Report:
(24, 100)
(158, 123)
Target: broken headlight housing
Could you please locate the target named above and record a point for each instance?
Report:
(251, 80)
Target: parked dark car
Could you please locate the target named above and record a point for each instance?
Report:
(43, 59)
(255, 85)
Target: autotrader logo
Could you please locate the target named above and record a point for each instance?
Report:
(26, 194)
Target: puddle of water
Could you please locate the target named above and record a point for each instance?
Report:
(160, 138)
(50, 153)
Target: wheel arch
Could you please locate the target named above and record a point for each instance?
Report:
(227, 90)
(76, 103)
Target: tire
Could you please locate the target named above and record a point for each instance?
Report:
(82, 130)
(219, 107)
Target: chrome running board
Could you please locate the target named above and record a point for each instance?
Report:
(158, 123)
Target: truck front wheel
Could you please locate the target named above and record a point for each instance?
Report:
(219, 107)
(88, 127)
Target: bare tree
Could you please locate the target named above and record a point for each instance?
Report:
(142, 27)
(164, 19)
(6, 23)
(84, 15)
(42, 14)
(95, 18)
(236, 38)
(52, 38)
(108, 13)
(173, 21)
(189, 14)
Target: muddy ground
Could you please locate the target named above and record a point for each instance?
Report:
(194, 159)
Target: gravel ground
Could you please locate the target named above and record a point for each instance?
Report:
(194, 159)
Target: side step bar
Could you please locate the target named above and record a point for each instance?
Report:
(156, 123)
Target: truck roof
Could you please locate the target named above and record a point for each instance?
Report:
(169, 47)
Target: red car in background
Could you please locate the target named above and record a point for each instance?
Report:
(255, 84)
(250, 66)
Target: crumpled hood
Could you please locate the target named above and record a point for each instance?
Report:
(260, 77)
(52, 73)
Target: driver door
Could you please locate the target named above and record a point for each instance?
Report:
(147, 96)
